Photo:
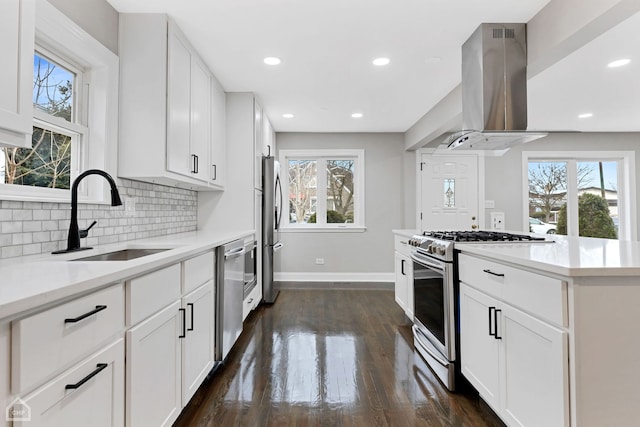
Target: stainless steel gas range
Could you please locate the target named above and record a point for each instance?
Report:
(435, 287)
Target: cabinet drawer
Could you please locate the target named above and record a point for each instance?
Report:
(150, 293)
(197, 271)
(54, 339)
(99, 401)
(251, 302)
(544, 297)
(402, 245)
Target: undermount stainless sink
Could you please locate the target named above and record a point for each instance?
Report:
(121, 255)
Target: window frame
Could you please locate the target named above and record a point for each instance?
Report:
(626, 186)
(60, 39)
(323, 155)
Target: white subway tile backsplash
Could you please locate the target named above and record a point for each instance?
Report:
(28, 228)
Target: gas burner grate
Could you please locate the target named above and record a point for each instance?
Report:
(481, 236)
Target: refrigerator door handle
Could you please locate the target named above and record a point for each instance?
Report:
(279, 193)
(277, 246)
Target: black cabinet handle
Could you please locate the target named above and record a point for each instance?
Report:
(99, 367)
(402, 267)
(495, 323)
(184, 323)
(486, 270)
(194, 158)
(491, 313)
(84, 316)
(190, 305)
(215, 173)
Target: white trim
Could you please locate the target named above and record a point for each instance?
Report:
(58, 34)
(320, 156)
(627, 212)
(335, 277)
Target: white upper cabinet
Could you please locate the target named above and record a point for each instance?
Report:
(17, 27)
(171, 126)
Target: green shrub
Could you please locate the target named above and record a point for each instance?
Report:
(333, 217)
(539, 215)
(594, 219)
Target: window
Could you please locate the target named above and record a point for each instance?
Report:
(586, 195)
(75, 87)
(54, 157)
(325, 189)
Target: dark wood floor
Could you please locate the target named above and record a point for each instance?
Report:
(329, 358)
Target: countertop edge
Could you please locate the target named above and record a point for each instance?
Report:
(194, 243)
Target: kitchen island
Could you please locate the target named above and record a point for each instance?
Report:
(549, 331)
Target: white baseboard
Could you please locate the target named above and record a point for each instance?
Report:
(335, 277)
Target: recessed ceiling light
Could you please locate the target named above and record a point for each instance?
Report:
(272, 60)
(585, 115)
(381, 61)
(287, 116)
(618, 63)
(357, 115)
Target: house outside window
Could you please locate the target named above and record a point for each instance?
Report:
(325, 189)
(587, 195)
(55, 155)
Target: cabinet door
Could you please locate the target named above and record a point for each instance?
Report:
(218, 134)
(17, 28)
(535, 369)
(401, 285)
(153, 369)
(95, 399)
(480, 351)
(200, 119)
(179, 158)
(197, 346)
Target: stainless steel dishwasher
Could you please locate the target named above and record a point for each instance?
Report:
(230, 284)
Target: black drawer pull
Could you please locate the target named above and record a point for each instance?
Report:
(486, 270)
(402, 267)
(84, 316)
(99, 367)
(190, 305)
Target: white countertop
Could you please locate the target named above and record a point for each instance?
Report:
(405, 233)
(29, 282)
(566, 256)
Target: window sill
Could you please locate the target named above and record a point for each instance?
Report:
(327, 229)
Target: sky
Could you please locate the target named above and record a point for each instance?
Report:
(593, 178)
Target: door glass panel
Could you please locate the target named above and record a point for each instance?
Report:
(428, 287)
(340, 191)
(449, 193)
(598, 199)
(547, 197)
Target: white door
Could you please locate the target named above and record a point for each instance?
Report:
(535, 369)
(449, 192)
(479, 350)
(197, 346)
(200, 141)
(153, 371)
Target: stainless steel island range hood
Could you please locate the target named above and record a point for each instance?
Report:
(494, 89)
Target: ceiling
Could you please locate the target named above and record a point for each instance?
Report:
(327, 48)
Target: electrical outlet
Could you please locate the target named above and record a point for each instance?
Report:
(129, 206)
(319, 261)
(497, 220)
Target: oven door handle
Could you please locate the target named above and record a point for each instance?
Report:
(425, 262)
(428, 347)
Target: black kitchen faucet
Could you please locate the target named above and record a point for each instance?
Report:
(73, 240)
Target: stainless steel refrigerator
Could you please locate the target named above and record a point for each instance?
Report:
(271, 216)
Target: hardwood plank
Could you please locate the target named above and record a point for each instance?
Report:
(330, 358)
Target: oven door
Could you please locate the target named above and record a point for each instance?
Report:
(434, 313)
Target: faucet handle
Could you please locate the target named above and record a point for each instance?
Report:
(84, 233)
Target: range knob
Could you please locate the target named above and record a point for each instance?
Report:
(441, 250)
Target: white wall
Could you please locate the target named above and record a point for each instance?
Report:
(504, 175)
(350, 256)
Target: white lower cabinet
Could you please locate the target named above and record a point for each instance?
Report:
(518, 363)
(154, 392)
(404, 283)
(89, 394)
(197, 345)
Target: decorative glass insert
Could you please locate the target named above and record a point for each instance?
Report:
(449, 193)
